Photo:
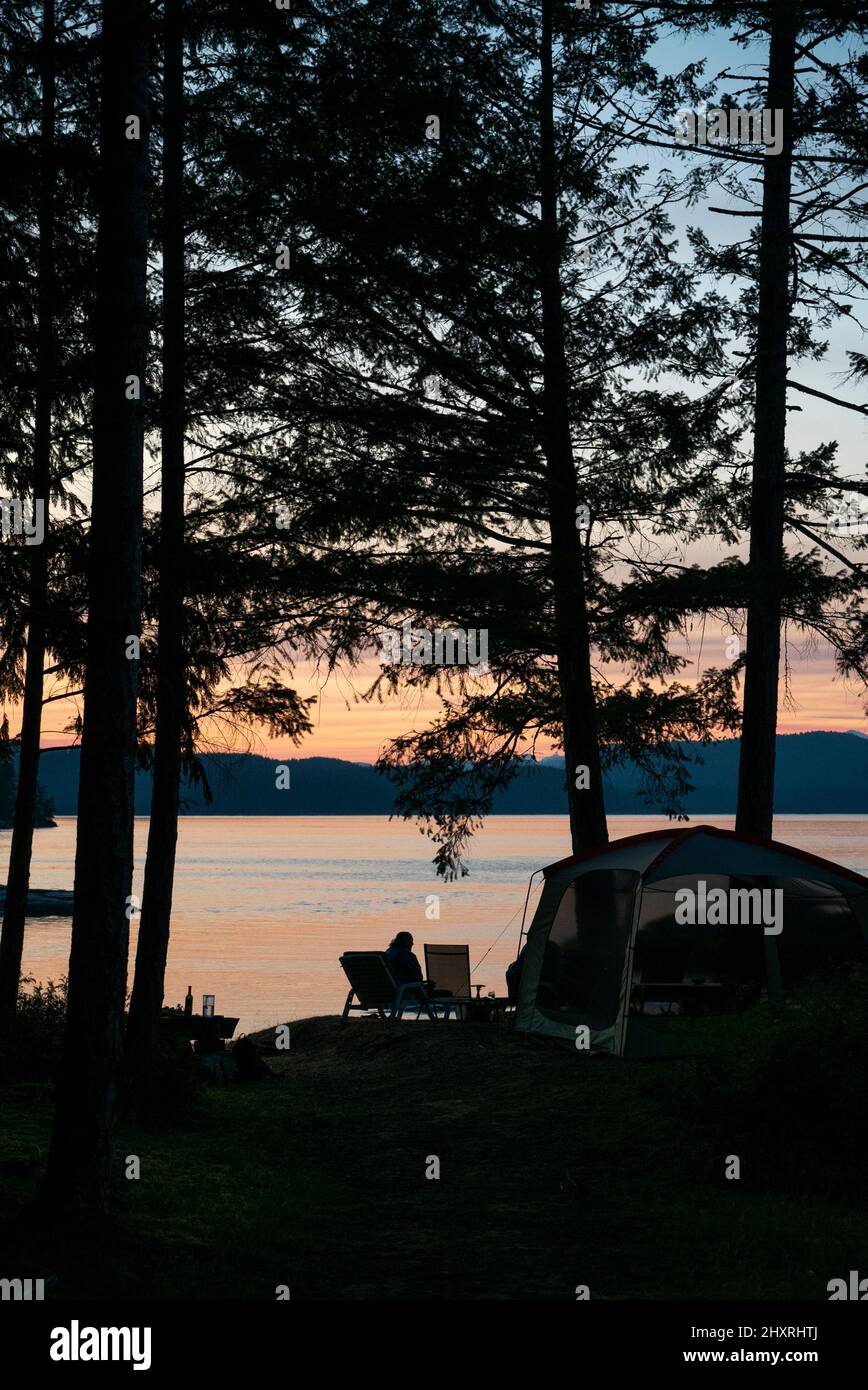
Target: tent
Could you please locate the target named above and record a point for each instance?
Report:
(636, 940)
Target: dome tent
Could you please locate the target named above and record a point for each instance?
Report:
(634, 939)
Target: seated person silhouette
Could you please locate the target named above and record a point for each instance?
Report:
(405, 967)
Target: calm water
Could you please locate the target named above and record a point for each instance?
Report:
(265, 905)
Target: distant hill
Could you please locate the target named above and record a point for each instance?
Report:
(44, 810)
(817, 774)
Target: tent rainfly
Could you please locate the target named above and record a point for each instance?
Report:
(631, 942)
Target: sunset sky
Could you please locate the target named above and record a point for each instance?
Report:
(817, 698)
(346, 727)
(820, 700)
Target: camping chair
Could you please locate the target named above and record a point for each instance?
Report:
(448, 970)
(375, 987)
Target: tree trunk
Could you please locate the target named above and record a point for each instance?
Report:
(79, 1168)
(147, 996)
(581, 742)
(18, 878)
(756, 773)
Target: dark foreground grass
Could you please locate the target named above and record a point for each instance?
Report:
(556, 1170)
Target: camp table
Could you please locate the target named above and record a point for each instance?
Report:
(199, 1028)
(493, 1008)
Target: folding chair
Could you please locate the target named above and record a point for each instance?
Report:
(447, 969)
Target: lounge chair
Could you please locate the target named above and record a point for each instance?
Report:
(375, 987)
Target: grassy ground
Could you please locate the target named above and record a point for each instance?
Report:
(555, 1170)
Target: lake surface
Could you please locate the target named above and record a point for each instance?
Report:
(265, 905)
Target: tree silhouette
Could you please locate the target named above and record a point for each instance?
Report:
(78, 1179)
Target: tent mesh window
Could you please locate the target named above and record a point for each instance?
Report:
(580, 979)
(724, 963)
(820, 930)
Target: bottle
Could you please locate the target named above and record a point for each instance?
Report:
(188, 1001)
